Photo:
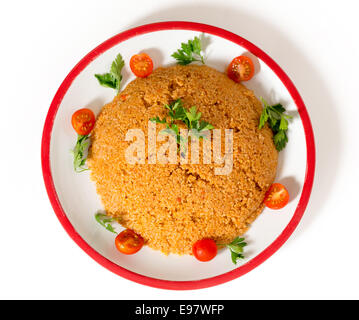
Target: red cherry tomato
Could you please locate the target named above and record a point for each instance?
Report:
(241, 69)
(128, 242)
(204, 250)
(276, 197)
(141, 65)
(83, 121)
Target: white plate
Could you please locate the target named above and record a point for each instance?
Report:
(73, 195)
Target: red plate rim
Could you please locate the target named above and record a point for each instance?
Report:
(159, 283)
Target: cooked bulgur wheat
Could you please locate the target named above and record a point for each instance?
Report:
(171, 205)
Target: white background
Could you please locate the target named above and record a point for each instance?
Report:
(315, 42)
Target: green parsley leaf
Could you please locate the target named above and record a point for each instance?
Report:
(112, 79)
(158, 120)
(179, 114)
(116, 69)
(236, 256)
(174, 127)
(191, 118)
(105, 221)
(189, 52)
(280, 139)
(263, 119)
(106, 80)
(277, 121)
(236, 248)
(192, 115)
(283, 125)
(278, 107)
(205, 126)
(78, 152)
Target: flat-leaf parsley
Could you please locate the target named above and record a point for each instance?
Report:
(114, 77)
(189, 52)
(191, 118)
(79, 152)
(105, 221)
(236, 248)
(277, 121)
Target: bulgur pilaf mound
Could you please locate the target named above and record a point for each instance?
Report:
(171, 205)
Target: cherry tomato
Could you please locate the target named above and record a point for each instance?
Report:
(276, 197)
(204, 250)
(141, 65)
(83, 121)
(128, 242)
(241, 69)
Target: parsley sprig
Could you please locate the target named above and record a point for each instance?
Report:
(114, 77)
(277, 121)
(79, 153)
(236, 248)
(189, 52)
(105, 221)
(191, 118)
